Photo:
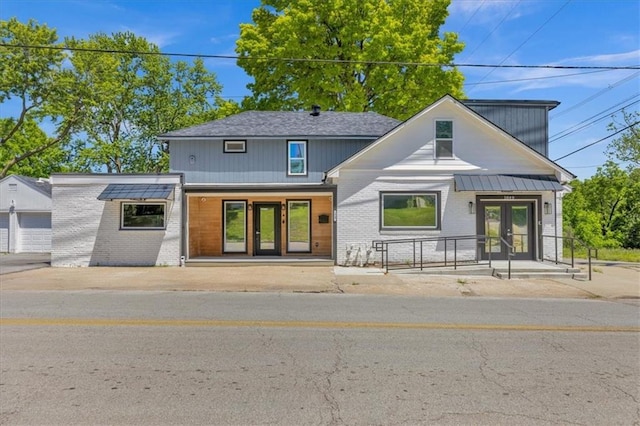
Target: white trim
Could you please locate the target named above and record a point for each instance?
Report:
(304, 158)
(107, 178)
(227, 150)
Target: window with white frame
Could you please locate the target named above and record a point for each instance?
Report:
(143, 216)
(235, 146)
(444, 139)
(296, 158)
(404, 210)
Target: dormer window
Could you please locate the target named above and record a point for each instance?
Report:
(444, 139)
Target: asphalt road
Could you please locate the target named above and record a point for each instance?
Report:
(110, 357)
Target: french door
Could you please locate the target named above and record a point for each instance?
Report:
(266, 225)
(514, 221)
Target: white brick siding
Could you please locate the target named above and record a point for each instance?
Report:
(86, 231)
(359, 217)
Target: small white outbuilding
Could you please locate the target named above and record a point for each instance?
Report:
(25, 215)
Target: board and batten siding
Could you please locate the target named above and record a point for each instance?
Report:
(265, 160)
(527, 123)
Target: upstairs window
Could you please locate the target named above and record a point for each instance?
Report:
(444, 139)
(297, 158)
(235, 146)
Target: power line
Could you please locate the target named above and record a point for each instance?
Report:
(494, 29)
(528, 38)
(515, 80)
(575, 128)
(316, 60)
(598, 141)
(595, 95)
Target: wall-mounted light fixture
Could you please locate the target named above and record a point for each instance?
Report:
(547, 207)
(250, 207)
(472, 207)
(192, 159)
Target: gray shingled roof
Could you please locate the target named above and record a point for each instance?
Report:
(290, 124)
(43, 186)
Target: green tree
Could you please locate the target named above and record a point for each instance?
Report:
(604, 210)
(137, 96)
(359, 35)
(626, 148)
(35, 81)
(29, 137)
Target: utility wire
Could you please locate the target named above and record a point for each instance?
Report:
(534, 78)
(595, 95)
(471, 17)
(528, 38)
(575, 128)
(315, 60)
(494, 29)
(598, 141)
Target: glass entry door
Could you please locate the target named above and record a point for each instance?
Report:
(267, 229)
(514, 222)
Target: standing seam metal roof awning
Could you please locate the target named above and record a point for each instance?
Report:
(507, 183)
(119, 191)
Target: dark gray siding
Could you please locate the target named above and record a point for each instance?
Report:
(527, 123)
(264, 162)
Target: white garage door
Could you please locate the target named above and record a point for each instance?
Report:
(35, 232)
(4, 232)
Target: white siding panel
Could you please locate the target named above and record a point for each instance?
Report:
(4, 232)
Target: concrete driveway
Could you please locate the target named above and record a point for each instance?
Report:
(17, 262)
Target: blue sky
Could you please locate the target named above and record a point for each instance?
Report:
(509, 32)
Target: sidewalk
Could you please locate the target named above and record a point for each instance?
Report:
(609, 281)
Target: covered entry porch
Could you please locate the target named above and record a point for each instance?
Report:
(265, 226)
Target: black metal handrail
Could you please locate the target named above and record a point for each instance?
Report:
(417, 250)
(572, 243)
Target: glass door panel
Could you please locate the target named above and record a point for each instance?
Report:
(520, 229)
(267, 229)
(235, 227)
(493, 228)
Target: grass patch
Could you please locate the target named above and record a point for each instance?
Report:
(617, 254)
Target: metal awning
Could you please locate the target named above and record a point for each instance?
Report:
(498, 183)
(119, 191)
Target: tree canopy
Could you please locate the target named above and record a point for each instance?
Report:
(626, 148)
(41, 88)
(97, 104)
(361, 37)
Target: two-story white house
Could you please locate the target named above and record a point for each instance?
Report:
(313, 184)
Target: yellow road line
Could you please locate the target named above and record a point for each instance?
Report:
(119, 322)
